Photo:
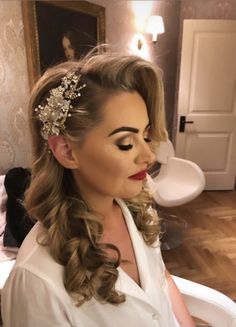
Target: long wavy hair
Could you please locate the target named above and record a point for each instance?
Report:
(73, 230)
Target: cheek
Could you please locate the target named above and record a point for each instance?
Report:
(108, 175)
(108, 170)
(112, 168)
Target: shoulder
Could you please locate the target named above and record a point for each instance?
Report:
(37, 297)
(35, 259)
(36, 281)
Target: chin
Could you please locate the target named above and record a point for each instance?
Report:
(132, 193)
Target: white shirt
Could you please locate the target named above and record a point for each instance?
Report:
(34, 294)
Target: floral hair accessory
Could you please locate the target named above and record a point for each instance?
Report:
(54, 114)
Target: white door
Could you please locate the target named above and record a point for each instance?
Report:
(207, 98)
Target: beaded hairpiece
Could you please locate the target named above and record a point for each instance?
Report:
(54, 114)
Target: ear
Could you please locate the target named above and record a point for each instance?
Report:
(63, 151)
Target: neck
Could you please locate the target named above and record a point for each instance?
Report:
(110, 212)
(105, 207)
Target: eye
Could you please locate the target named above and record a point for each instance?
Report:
(124, 147)
(125, 143)
(147, 139)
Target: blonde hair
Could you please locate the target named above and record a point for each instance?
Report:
(73, 230)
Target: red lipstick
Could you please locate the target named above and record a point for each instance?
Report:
(139, 176)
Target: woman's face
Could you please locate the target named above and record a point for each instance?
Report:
(68, 50)
(115, 150)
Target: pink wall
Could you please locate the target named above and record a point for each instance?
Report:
(208, 9)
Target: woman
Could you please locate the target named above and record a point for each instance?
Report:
(76, 43)
(93, 258)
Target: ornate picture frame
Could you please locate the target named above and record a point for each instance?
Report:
(45, 23)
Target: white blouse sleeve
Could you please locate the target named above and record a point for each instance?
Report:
(30, 301)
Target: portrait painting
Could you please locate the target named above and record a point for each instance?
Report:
(56, 31)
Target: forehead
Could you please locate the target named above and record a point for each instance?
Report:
(125, 109)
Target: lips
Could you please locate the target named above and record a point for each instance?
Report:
(139, 176)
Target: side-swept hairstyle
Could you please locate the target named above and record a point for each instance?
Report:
(73, 229)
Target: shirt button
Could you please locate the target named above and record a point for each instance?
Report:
(154, 316)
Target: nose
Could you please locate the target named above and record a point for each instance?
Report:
(145, 155)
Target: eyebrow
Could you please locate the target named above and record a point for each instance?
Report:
(127, 129)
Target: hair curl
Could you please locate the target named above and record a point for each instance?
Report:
(73, 230)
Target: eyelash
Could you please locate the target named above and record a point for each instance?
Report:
(147, 139)
(123, 147)
(128, 147)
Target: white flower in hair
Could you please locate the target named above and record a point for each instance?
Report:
(54, 114)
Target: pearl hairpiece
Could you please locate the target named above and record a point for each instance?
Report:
(54, 114)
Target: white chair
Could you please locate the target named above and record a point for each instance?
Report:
(207, 304)
(178, 182)
(203, 302)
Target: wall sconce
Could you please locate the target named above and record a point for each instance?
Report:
(155, 26)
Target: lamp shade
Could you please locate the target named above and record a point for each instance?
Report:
(155, 26)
